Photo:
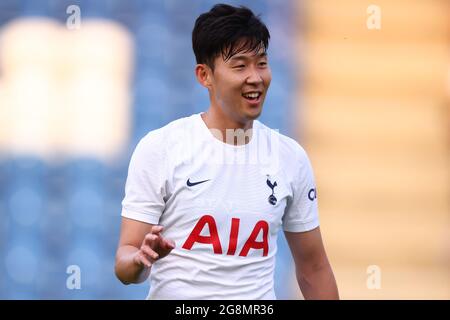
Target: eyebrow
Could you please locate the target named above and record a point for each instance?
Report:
(244, 57)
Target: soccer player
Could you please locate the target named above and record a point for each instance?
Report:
(206, 195)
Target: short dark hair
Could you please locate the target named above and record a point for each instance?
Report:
(227, 30)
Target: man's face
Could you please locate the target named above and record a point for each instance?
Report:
(239, 85)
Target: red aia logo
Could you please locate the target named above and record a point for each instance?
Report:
(214, 240)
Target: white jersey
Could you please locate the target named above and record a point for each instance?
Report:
(222, 204)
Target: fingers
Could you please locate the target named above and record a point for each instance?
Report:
(152, 240)
(167, 244)
(141, 259)
(146, 256)
(150, 253)
(155, 240)
(155, 246)
(156, 229)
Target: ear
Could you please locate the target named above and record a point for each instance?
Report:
(203, 74)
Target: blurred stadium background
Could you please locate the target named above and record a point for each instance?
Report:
(371, 107)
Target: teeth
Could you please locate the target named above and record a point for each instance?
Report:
(252, 95)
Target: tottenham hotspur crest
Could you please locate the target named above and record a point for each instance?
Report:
(272, 199)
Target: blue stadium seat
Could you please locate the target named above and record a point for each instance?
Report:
(86, 205)
(52, 279)
(33, 8)
(56, 226)
(22, 266)
(152, 6)
(150, 86)
(27, 204)
(28, 171)
(9, 9)
(84, 171)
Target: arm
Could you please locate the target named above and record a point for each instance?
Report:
(140, 245)
(313, 271)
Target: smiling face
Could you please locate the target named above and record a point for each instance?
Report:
(238, 86)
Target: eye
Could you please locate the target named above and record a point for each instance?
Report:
(239, 66)
(263, 63)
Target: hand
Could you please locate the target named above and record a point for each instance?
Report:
(153, 247)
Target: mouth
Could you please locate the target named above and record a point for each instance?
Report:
(253, 97)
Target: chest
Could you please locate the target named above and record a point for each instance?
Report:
(226, 209)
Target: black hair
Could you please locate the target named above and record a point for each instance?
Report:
(228, 30)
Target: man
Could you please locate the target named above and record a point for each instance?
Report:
(206, 195)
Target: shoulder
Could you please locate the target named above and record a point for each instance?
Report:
(288, 149)
(159, 138)
(157, 145)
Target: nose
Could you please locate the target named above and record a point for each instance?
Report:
(254, 77)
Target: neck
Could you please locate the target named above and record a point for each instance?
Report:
(215, 119)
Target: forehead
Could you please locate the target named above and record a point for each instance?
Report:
(249, 55)
(242, 49)
(243, 54)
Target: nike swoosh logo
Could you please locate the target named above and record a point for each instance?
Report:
(191, 184)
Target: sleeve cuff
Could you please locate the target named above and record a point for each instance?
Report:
(152, 218)
(301, 226)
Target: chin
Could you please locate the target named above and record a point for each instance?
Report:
(253, 114)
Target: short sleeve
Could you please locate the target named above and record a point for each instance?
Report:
(145, 187)
(301, 213)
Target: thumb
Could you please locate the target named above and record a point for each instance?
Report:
(156, 229)
(168, 244)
